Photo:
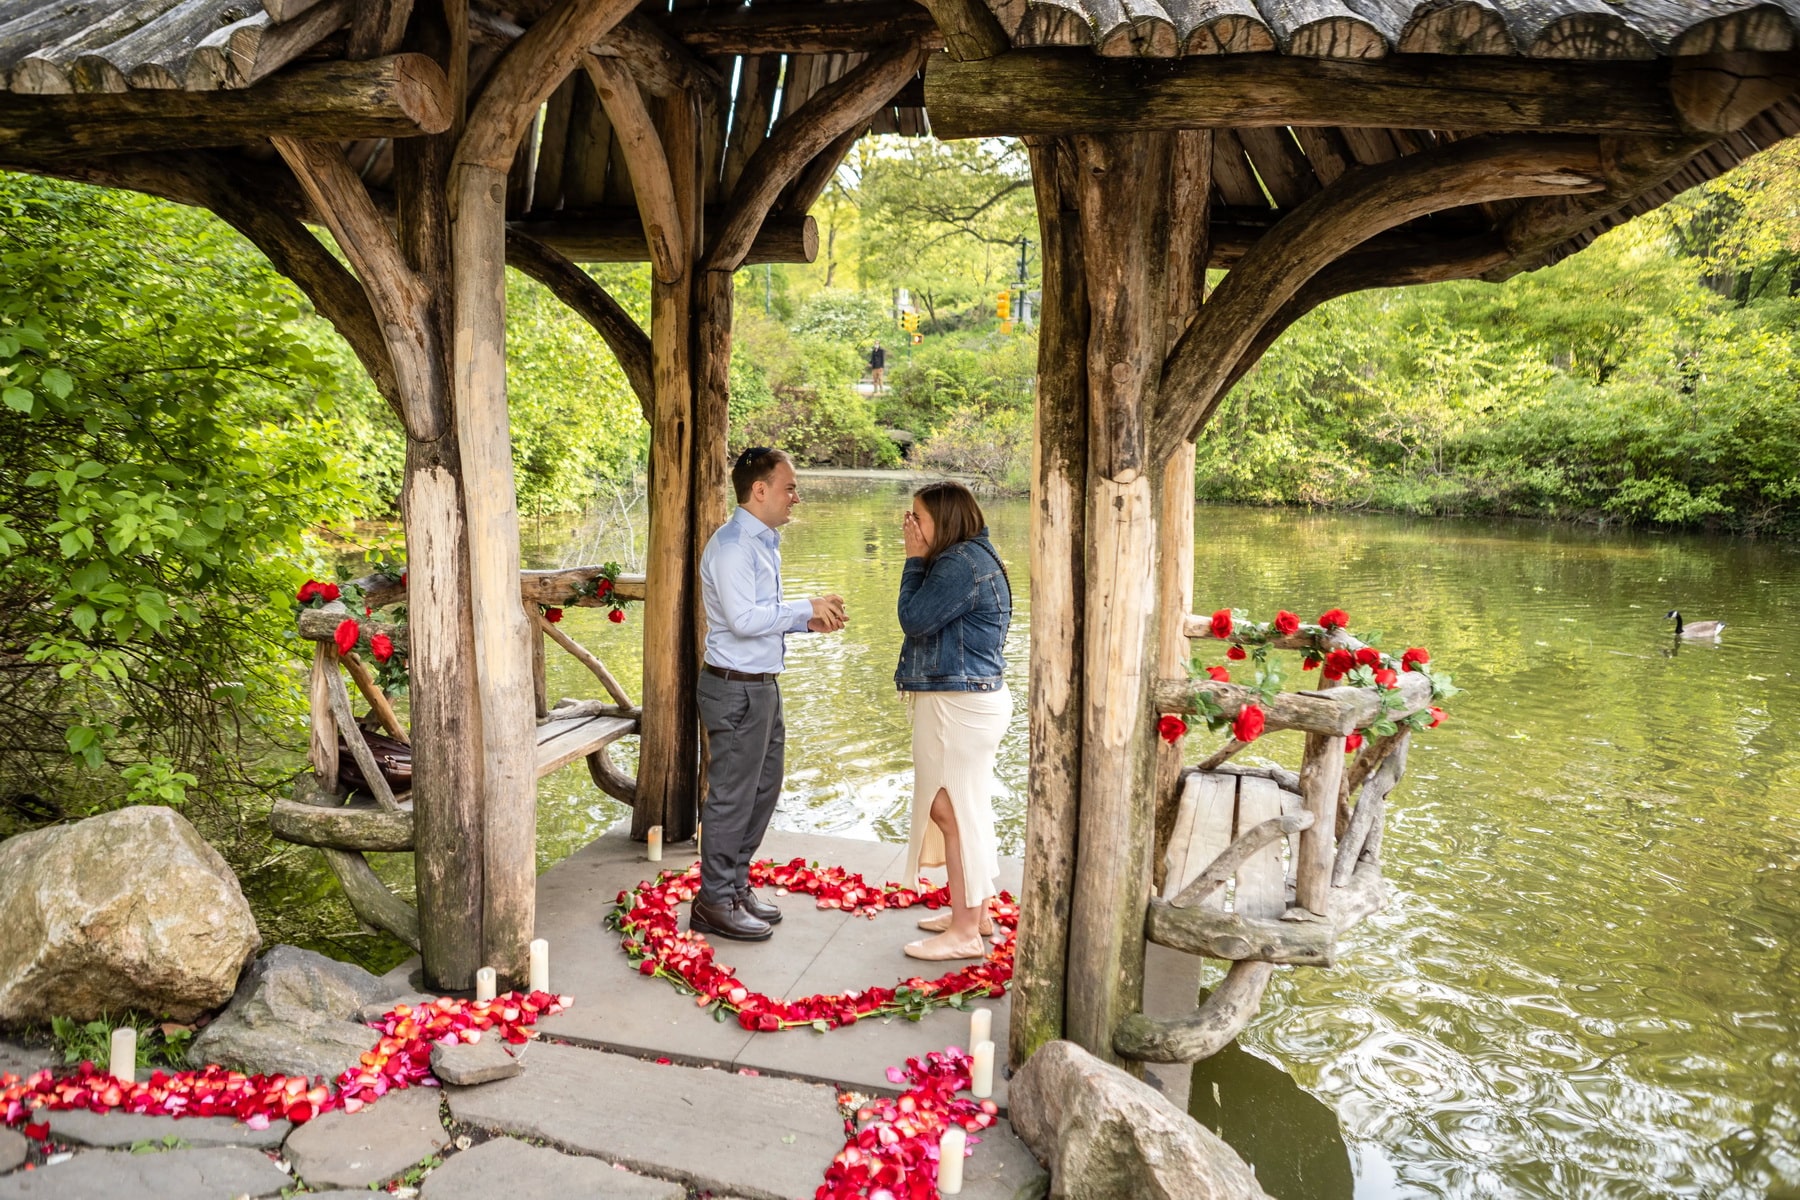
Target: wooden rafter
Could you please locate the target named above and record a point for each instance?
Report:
(404, 95)
(616, 234)
(1358, 206)
(1074, 91)
(377, 26)
(830, 113)
(803, 28)
(400, 299)
(577, 289)
(664, 231)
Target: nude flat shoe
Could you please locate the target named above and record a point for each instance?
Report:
(938, 922)
(920, 949)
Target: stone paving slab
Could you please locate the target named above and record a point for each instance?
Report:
(1003, 1168)
(13, 1149)
(717, 1130)
(122, 1130)
(212, 1173)
(341, 1149)
(21, 1060)
(504, 1167)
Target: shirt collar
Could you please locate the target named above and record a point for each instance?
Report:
(753, 524)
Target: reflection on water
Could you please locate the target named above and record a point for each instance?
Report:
(1587, 982)
(1289, 1138)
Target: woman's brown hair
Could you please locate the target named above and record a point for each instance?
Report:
(955, 517)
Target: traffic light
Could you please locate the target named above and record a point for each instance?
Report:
(909, 321)
(1003, 306)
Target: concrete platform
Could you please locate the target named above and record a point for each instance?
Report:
(813, 950)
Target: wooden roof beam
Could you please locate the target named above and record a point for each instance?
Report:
(1057, 92)
(803, 28)
(578, 290)
(616, 234)
(404, 95)
(1365, 202)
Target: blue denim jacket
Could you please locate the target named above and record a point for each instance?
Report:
(954, 612)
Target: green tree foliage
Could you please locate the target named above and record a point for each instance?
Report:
(169, 439)
(1614, 386)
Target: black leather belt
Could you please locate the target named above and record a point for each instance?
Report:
(740, 676)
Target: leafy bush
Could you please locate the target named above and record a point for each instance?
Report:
(844, 317)
(994, 446)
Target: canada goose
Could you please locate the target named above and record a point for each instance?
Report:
(1697, 631)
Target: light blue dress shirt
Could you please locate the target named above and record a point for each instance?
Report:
(747, 621)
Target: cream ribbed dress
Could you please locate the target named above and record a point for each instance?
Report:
(956, 738)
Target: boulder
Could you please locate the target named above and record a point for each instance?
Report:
(1107, 1136)
(294, 1014)
(128, 910)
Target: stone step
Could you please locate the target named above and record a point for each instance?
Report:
(754, 1137)
(123, 1130)
(504, 1167)
(211, 1173)
(372, 1145)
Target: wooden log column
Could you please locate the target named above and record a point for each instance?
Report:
(1058, 574)
(1121, 190)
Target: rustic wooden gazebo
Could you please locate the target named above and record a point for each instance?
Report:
(1309, 147)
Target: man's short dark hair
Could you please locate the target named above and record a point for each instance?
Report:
(754, 465)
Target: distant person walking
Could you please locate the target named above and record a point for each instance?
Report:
(877, 366)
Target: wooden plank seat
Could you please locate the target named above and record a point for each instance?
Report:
(560, 743)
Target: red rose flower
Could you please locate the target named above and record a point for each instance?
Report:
(1437, 717)
(1414, 658)
(329, 592)
(382, 647)
(1387, 677)
(1353, 743)
(1287, 623)
(1171, 728)
(1236, 654)
(1335, 618)
(616, 616)
(1338, 664)
(603, 587)
(1309, 663)
(553, 615)
(1219, 674)
(347, 633)
(1249, 723)
(308, 590)
(1368, 656)
(1221, 623)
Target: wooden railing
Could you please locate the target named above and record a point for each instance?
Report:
(1335, 866)
(323, 814)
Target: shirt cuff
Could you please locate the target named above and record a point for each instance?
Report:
(799, 613)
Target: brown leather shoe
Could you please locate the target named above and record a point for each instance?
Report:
(728, 922)
(748, 901)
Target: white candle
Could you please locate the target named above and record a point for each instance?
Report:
(653, 851)
(981, 1080)
(484, 984)
(981, 1027)
(950, 1160)
(124, 1055)
(540, 965)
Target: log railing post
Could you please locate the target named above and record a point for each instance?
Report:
(1320, 773)
(324, 752)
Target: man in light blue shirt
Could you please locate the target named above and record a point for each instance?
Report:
(747, 623)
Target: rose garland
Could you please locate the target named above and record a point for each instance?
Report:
(604, 587)
(648, 920)
(1366, 666)
(891, 1144)
(400, 1058)
(391, 674)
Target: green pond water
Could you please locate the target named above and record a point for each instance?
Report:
(1586, 983)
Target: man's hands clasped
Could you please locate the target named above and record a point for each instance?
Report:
(828, 614)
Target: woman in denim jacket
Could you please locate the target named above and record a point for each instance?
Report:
(955, 606)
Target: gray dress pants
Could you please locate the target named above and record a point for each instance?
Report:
(746, 748)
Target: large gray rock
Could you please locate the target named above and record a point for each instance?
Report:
(1107, 1136)
(220, 1173)
(294, 1014)
(128, 910)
